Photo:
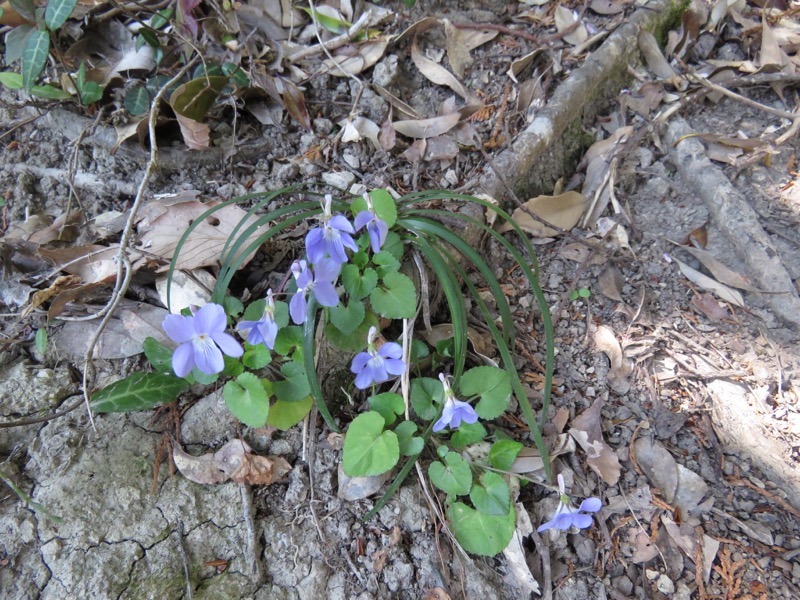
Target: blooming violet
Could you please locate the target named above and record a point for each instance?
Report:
(455, 411)
(265, 330)
(377, 365)
(202, 340)
(376, 227)
(320, 283)
(567, 515)
(332, 238)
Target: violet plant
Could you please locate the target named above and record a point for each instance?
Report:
(348, 283)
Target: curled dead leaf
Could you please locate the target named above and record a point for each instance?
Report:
(587, 431)
(260, 470)
(606, 341)
(564, 211)
(211, 468)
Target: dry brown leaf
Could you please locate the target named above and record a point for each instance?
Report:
(530, 461)
(566, 18)
(606, 341)
(563, 211)
(60, 285)
(354, 129)
(260, 470)
(196, 135)
(655, 59)
(160, 235)
(610, 283)
(658, 465)
(720, 272)
(60, 302)
(515, 554)
(437, 74)
(645, 100)
(721, 290)
(427, 128)
(366, 55)
(697, 238)
(395, 103)
(387, 136)
(771, 57)
(643, 549)
(91, 263)
(711, 307)
(210, 468)
(65, 228)
(187, 289)
(598, 161)
(608, 7)
(459, 44)
(587, 431)
(415, 151)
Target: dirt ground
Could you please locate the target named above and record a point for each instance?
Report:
(705, 423)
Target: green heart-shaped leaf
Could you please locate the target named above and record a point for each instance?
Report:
(284, 415)
(396, 298)
(347, 318)
(479, 533)
(368, 449)
(491, 496)
(455, 478)
(426, 396)
(358, 285)
(410, 445)
(388, 405)
(492, 385)
(295, 387)
(503, 454)
(248, 399)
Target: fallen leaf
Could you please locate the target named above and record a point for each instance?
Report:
(211, 468)
(360, 127)
(563, 211)
(656, 62)
(658, 465)
(387, 137)
(65, 228)
(610, 283)
(566, 18)
(187, 289)
(460, 42)
(160, 235)
(587, 431)
(643, 550)
(61, 284)
(92, 263)
(606, 341)
(598, 162)
(697, 237)
(721, 290)
(608, 7)
(516, 556)
(721, 273)
(196, 136)
(366, 55)
(260, 470)
(81, 292)
(529, 460)
(711, 307)
(437, 74)
(427, 128)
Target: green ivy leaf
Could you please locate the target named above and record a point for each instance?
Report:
(410, 445)
(467, 434)
(48, 92)
(194, 98)
(455, 478)
(368, 449)
(330, 23)
(396, 298)
(34, 57)
(426, 395)
(491, 496)
(295, 387)
(57, 12)
(503, 453)
(358, 285)
(383, 203)
(41, 340)
(386, 263)
(137, 100)
(347, 318)
(256, 357)
(284, 415)
(492, 385)
(141, 391)
(15, 45)
(289, 341)
(388, 405)
(479, 533)
(355, 341)
(248, 399)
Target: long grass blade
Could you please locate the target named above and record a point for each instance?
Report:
(309, 349)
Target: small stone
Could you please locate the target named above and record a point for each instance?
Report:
(665, 585)
(339, 179)
(623, 584)
(352, 160)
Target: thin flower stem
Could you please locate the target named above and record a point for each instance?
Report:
(311, 367)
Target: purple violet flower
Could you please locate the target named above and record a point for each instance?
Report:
(376, 227)
(455, 411)
(376, 366)
(265, 330)
(567, 515)
(332, 238)
(320, 283)
(202, 340)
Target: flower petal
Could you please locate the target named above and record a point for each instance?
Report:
(341, 223)
(362, 219)
(591, 505)
(208, 357)
(315, 245)
(269, 332)
(297, 308)
(395, 366)
(377, 368)
(440, 424)
(360, 361)
(544, 526)
(210, 319)
(582, 521)
(183, 359)
(327, 270)
(179, 328)
(364, 379)
(228, 344)
(325, 293)
(391, 350)
(564, 521)
(349, 242)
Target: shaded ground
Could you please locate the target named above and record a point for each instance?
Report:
(691, 516)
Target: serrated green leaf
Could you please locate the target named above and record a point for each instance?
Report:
(347, 318)
(34, 57)
(503, 453)
(358, 285)
(141, 391)
(479, 533)
(466, 434)
(248, 399)
(389, 406)
(15, 44)
(394, 245)
(41, 340)
(361, 259)
(137, 100)
(368, 449)
(295, 387)
(285, 415)
(57, 12)
(410, 445)
(395, 298)
(454, 478)
(426, 395)
(386, 263)
(492, 385)
(159, 355)
(491, 496)
(256, 357)
(355, 341)
(383, 203)
(288, 340)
